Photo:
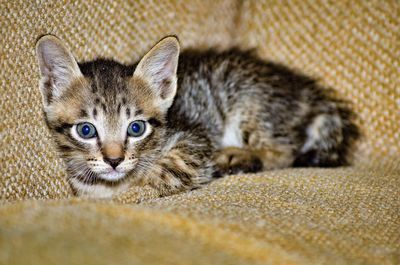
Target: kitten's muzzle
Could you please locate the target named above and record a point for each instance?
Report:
(113, 153)
(113, 162)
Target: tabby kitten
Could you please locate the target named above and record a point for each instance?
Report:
(176, 125)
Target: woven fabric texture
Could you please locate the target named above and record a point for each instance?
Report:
(303, 216)
(293, 216)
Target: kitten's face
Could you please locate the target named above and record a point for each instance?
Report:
(107, 120)
(102, 130)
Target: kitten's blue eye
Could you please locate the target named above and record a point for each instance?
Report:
(136, 128)
(86, 130)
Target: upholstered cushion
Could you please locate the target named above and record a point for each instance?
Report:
(302, 216)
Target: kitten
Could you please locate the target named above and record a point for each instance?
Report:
(176, 125)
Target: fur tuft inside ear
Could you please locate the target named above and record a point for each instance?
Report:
(58, 68)
(158, 68)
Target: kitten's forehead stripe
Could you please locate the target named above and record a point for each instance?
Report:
(95, 113)
(104, 107)
(83, 113)
(124, 100)
(138, 112)
(94, 87)
(128, 112)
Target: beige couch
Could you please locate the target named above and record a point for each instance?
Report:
(348, 215)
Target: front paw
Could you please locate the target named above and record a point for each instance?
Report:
(233, 160)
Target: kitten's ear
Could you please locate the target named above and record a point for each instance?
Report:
(158, 67)
(57, 65)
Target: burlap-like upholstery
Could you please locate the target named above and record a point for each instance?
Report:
(294, 216)
(303, 216)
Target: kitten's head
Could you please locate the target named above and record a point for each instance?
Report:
(107, 117)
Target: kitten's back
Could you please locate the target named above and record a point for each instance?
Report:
(258, 103)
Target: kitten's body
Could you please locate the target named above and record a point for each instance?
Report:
(231, 113)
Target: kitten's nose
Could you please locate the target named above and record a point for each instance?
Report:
(113, 162)
(113, 153)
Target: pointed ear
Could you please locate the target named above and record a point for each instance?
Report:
(57, 65)
(158, 68)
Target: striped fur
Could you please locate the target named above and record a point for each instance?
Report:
(211, 114)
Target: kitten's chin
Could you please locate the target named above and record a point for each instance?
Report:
(112, 176)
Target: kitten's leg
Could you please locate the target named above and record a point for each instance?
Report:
(249, 144)
(185, 164)
(233, 160)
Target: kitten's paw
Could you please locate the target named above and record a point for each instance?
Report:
(233, 160)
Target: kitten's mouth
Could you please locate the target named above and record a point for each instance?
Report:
(113, 175)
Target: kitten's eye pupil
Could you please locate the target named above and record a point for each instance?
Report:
(86, 130)
(136, 128)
